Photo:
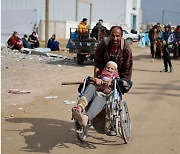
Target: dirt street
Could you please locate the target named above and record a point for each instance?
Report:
(38, 123)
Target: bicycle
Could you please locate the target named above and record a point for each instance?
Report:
(115, 113)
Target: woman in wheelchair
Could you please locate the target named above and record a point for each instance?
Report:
(96, 93)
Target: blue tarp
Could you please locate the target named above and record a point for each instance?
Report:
(73, 36)
(144, 40)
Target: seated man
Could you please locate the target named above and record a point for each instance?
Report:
(83, 29)
(25, 42)
(52, 44)
(99, 31)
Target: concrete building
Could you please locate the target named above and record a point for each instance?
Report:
(62, 15)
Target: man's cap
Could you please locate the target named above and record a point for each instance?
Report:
(112, 63)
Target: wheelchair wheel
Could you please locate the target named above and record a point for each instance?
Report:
(125, 123)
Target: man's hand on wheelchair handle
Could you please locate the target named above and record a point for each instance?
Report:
(124, 84)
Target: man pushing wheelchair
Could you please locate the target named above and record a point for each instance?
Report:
(113, 60)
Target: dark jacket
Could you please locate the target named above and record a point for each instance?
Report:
(96, 29)
(177, 36)
(53, 45)
(150, 35)
(123, 58)
(168, 37)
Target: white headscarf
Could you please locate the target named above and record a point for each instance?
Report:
(112, 63)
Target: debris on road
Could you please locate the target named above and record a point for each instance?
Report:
(18, 91)
(67, 102)
(51, 97)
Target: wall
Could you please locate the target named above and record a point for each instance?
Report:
(116, 12)
(21, 21)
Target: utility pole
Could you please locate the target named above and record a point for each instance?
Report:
(90, 15)
(76, 10)
(47, 23)
(162, 17)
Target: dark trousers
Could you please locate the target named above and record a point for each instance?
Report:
(166, 58)
(176, 51)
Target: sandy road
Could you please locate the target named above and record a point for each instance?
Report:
(32, 123)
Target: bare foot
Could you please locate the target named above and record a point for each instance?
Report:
(77, 108)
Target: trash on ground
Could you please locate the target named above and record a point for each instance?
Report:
(42, 49)
(69, 102)
(20, 108)
(18, 91)
(51, 97)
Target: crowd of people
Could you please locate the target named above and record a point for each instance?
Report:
(31, 42)
(164, 41)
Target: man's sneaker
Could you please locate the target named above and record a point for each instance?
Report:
(112, 131)
(164, 70)
(171, 69)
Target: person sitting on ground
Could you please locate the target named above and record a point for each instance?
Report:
(99, 29)
(14, 42)
(52, 44)
(34, 40)
(25, 42)
(97, 94)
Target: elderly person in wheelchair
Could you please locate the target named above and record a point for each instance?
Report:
(115, 49)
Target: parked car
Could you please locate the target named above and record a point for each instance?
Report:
(130, 38)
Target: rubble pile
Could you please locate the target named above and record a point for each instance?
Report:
(37, 56)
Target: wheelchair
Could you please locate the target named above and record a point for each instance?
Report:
(114, 113)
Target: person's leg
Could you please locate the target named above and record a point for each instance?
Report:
(165, 60)
(160, 48)
(169, 62)
(154, 49)
(88, 95)
(151, 48)
(96, 107)
(165, 63)
(175, 51)
(90, 92)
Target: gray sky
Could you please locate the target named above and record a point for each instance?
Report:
(152, 11)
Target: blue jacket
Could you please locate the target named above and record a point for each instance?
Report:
(53, 45)
(168, 37)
